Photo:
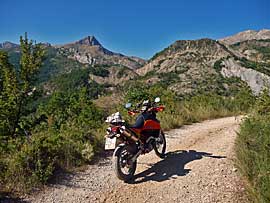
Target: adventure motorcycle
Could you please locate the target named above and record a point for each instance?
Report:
(130, 142)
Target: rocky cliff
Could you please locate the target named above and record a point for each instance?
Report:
(256, 80)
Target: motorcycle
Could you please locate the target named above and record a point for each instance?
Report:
(130, 142)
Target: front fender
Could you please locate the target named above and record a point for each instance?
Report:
(117, 149)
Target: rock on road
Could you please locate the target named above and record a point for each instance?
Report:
(198, 167)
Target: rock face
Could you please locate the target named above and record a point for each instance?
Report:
(257, 81)
(247, 35)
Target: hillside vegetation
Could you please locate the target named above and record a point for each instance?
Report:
(39, 134)
(253, 149)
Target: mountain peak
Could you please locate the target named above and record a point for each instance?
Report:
(89, 40)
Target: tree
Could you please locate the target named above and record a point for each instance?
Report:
(17, 87)
(8, 97)
(32, 56)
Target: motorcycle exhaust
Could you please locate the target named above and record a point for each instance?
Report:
(129, 135)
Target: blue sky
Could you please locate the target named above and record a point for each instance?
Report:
(132, 27)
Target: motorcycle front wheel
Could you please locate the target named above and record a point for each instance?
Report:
(160, 145)
(123, 165)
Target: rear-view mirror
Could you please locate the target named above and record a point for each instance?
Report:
(157, 100)
(128, 105)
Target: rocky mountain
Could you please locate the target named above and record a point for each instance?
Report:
(8, 45)
(89, 51)
(246, 35)
(186, 66)
(192, 66)
(103, 65)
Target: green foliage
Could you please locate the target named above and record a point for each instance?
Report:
(14, 58)
(74, 81)
(44, 153)
(100, 70)
(41, 135)
(69, 82)
(218, 65)
(122, 72)
(30, 62)
(66, 136)
(17, 87)
(77, 107)
(190, 109)
(253, 149)
(8, 98)
(56, 64)
(169, 78)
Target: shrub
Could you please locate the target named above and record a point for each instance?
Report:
(192, 109)
(253, 150)
(101, 71)
(63, 140)
(35, 163)
(218, 65)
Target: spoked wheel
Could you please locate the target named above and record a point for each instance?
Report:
(124, 167)
(160, 145)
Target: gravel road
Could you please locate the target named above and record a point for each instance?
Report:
(198, 168)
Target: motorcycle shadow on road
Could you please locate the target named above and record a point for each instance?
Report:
(171, 166)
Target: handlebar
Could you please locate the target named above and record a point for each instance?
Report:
(153, 109)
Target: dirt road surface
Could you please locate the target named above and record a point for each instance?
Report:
(198, 167)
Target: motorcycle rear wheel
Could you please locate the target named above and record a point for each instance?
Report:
(160, 145)
(123, 166)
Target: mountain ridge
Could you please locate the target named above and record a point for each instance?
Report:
(185, 66)
(8, 45)
(246, 35)
(207, 64)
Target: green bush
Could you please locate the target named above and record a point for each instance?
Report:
(186, 110)
(39, 157)
(100, 70)
(67, 136)
(218, 65)
(253, 150)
